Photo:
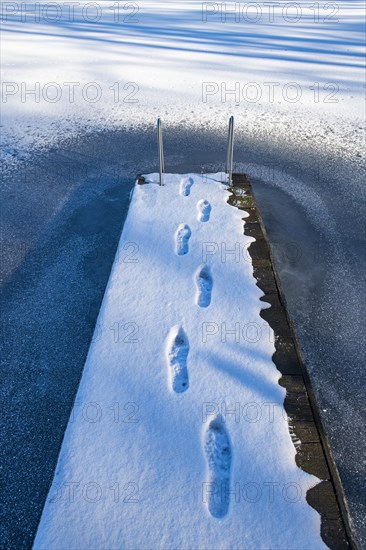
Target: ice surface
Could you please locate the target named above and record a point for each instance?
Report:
(74, 70)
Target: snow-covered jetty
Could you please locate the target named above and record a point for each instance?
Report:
(179, 436)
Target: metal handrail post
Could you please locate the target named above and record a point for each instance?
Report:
(230, 150)
(161, 151)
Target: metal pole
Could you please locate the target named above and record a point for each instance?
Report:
(161, 152)
(230, 150)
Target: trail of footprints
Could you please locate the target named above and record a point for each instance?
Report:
(217, 446)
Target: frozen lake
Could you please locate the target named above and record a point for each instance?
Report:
(64, 212)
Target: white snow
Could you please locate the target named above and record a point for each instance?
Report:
(179, 395)
(75, 67)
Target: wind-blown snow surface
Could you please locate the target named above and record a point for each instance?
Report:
(70, 67)
(173, 407)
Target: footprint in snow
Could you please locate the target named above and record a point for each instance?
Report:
(204, 286)
(177, 353)
(204, 210)
(185, 186)
(182, 236)
(218, 453)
